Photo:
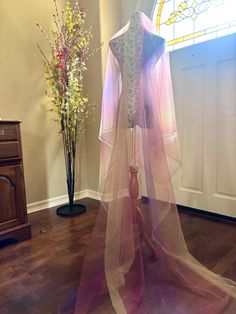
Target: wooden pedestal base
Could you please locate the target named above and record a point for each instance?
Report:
(138, 217)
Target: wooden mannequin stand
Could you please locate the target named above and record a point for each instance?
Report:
(138, 217)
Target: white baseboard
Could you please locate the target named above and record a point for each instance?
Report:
(56, 201)
(93, 194)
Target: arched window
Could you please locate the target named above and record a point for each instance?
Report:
(183, 23)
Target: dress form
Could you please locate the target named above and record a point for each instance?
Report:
(135, 50)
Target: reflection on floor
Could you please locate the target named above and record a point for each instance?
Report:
(37, 273)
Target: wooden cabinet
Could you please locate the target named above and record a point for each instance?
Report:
(13, 212)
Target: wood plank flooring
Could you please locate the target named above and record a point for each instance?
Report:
(37, 273)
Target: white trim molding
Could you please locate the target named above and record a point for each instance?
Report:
(59, 200)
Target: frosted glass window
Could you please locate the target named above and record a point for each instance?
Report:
(184, 23)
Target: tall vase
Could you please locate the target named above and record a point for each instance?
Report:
(70, 209)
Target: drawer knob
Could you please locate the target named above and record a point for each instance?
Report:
(2, 132)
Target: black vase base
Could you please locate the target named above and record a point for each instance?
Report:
(68, 211)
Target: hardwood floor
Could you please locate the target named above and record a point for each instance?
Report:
(37, 273)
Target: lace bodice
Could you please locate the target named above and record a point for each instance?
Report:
(136, 51)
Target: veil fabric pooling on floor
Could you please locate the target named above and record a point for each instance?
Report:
(120, 273)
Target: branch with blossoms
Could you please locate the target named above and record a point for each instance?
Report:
(69, 46)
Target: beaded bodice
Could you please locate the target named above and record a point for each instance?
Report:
(137, 50)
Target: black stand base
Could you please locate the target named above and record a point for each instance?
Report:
(67, 211)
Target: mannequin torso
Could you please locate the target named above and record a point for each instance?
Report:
(137, 51)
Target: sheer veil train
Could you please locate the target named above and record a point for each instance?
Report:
(138, 261)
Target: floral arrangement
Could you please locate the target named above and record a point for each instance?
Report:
(69, 44)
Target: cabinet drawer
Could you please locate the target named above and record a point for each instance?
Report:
(8, 132)
(9, 149)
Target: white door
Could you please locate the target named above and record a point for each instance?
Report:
(204, 82)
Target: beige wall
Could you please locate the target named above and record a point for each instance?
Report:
(127, 8)
(109, 22)
(22, 87)
(89, 167)
(22, 97)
